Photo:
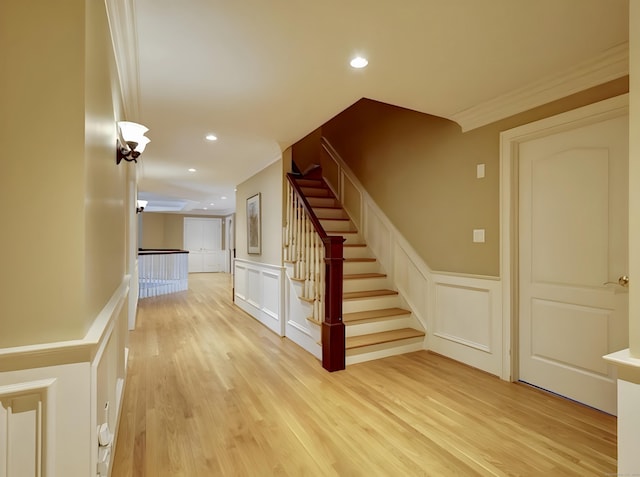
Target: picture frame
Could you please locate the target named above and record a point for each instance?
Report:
(254, 225)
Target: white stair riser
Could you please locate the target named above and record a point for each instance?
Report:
(322, 202)
(360, 267)
(351, 238)
(378, 326)
(316, 192)
(333, 227)
(367, 304)
(369, 353)
(325, 213)
(361, 284)
(310, 183)
(357, 252)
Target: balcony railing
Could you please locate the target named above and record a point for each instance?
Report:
(162, 271)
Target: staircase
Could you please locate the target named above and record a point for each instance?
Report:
(376, 321)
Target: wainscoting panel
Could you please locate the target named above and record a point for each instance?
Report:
(466, 320)
(411, 282)
(463, 315)
(26, 429)
(259, 291)
(378, 237)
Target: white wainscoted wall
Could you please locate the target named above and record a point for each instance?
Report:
(53, 395)
(462, 314)
(465, 322)
(259, 290)
(297, 328)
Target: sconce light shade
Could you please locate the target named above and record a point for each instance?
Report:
(131, 141)
(141, 205)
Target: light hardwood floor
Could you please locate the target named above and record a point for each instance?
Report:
(212, 392)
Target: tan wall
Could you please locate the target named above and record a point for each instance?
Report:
(152, 233)
(269, 184)
(42, 179)
(421, 171)
(161, 230)
(106, 209)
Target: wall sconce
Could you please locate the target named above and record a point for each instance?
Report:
(141, 205)
(131, 141)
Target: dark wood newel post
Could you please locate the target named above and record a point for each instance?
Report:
(333, 333)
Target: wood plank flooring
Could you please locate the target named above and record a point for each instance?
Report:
(211, 392)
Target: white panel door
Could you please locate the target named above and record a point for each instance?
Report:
(203, 240)
(573, 243)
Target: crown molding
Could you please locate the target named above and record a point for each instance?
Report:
(121, 15)
(608, 66)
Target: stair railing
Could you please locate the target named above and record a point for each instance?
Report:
(307, 246)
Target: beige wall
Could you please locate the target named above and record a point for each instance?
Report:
(106, 212)
(62, 251)
(269, 184)
(421, 171)
(160, 230)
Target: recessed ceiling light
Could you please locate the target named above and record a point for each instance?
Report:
(224, 197)
(359, 62)
(211, 137)
(191, 169)
(212, 203)
(204, 208)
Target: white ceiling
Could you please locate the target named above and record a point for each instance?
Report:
(262, 74)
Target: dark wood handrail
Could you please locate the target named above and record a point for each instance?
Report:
(160, 251)
(333, 332)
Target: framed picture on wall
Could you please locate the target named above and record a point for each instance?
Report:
(254, 229)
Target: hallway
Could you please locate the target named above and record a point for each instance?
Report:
(211, 392)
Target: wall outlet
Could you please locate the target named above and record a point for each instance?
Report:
(478, 235)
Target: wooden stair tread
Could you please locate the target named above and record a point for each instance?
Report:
(367, 294)
(311, 319)
(355, 276)
(360, 259)
(360, 341)
(374, 314)
(354, 245)
(339, 219)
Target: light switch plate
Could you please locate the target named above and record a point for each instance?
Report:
(478, 235)
(480, 171)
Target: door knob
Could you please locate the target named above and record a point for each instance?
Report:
(623, 281)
